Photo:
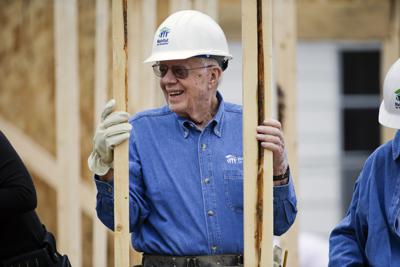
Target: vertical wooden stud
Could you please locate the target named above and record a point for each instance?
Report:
(67, 116)
(99, 257)
(285, 40)
(121, 173)
(257, 96)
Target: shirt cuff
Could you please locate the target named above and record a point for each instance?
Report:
(103, 187)
(282, 192)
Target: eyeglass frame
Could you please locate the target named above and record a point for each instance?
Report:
(177, 66)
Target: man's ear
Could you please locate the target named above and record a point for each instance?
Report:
(215, 75)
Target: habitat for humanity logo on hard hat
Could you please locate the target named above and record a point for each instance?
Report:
(397, 102)
(163, 36)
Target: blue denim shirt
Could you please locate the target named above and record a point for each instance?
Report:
(369, 235)
(186, 185)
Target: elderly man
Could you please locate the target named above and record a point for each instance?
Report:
(185, 159)
(369, 235)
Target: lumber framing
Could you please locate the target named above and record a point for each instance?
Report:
(143, 89)
(67, 129)
(257, 106)
(391, 52)
(99, 256)
(121, 152)
(356, 19)
(285, 41)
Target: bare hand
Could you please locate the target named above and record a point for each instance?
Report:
(271, 137)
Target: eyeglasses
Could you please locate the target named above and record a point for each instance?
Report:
(180, 72)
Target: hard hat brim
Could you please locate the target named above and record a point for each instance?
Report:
(177, 55)
(388, 119)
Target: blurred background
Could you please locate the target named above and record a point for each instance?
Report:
(330, 57)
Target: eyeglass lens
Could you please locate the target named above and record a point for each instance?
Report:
(180, 72)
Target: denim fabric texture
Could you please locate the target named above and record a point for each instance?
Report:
(186, 185)
(369, 235)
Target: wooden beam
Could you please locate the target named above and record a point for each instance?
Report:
(391, 52)
(266, 107)
(121, 152)
(143, 89)
(176, 5)
(355, 19)
(67, 123)
(37, 159)
(209, 7)
(285, 41)
(250, 146)
(99, 256)
(229, 18)
(42, 163)
(257, 106)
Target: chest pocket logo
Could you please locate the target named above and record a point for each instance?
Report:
(231, 159)
(233, 183)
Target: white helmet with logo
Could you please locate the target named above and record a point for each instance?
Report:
(389, 112)
(186, 34)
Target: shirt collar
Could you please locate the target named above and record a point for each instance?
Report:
(396, 145)
(215, 123)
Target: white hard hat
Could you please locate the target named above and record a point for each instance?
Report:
(389, 112)
(186, 34)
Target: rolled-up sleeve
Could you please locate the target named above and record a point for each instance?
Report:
(285, 207)
(138, 206)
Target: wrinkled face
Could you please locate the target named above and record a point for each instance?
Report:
(192, 96)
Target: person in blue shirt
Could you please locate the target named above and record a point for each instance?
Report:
(185, 159)
(369, 235)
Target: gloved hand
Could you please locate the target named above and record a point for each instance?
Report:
(277, 253)
(113, 129)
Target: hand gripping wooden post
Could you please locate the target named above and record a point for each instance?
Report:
(257, 106)
(121, 167)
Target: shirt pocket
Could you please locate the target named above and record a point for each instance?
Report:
(233, 187)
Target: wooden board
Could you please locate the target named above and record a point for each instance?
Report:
(101, 73)
(121, 165)
(258, 211)
(285, 42)
(67, 122)
(342, 19)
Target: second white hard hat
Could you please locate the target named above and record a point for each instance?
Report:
(389, 111)
(186, 34)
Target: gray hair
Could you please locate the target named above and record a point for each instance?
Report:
(212, 61)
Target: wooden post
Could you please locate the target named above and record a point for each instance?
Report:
(144, 92)
(99, 256)
(209, 7)
(285, 40)
(175, 5)
(67, 123)
(391, 52)
(257, 106)
(121, 174)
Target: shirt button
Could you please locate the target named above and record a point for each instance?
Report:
(207, 180)
(203, 146)
(210, 213)
(109, 190)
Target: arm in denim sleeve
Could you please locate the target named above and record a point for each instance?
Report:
(285, 207)
(138, 207)
(348, 237)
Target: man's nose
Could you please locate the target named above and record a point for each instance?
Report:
(169, 77)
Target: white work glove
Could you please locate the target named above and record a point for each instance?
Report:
(113, 129)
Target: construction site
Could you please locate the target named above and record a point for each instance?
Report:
(329, 60)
